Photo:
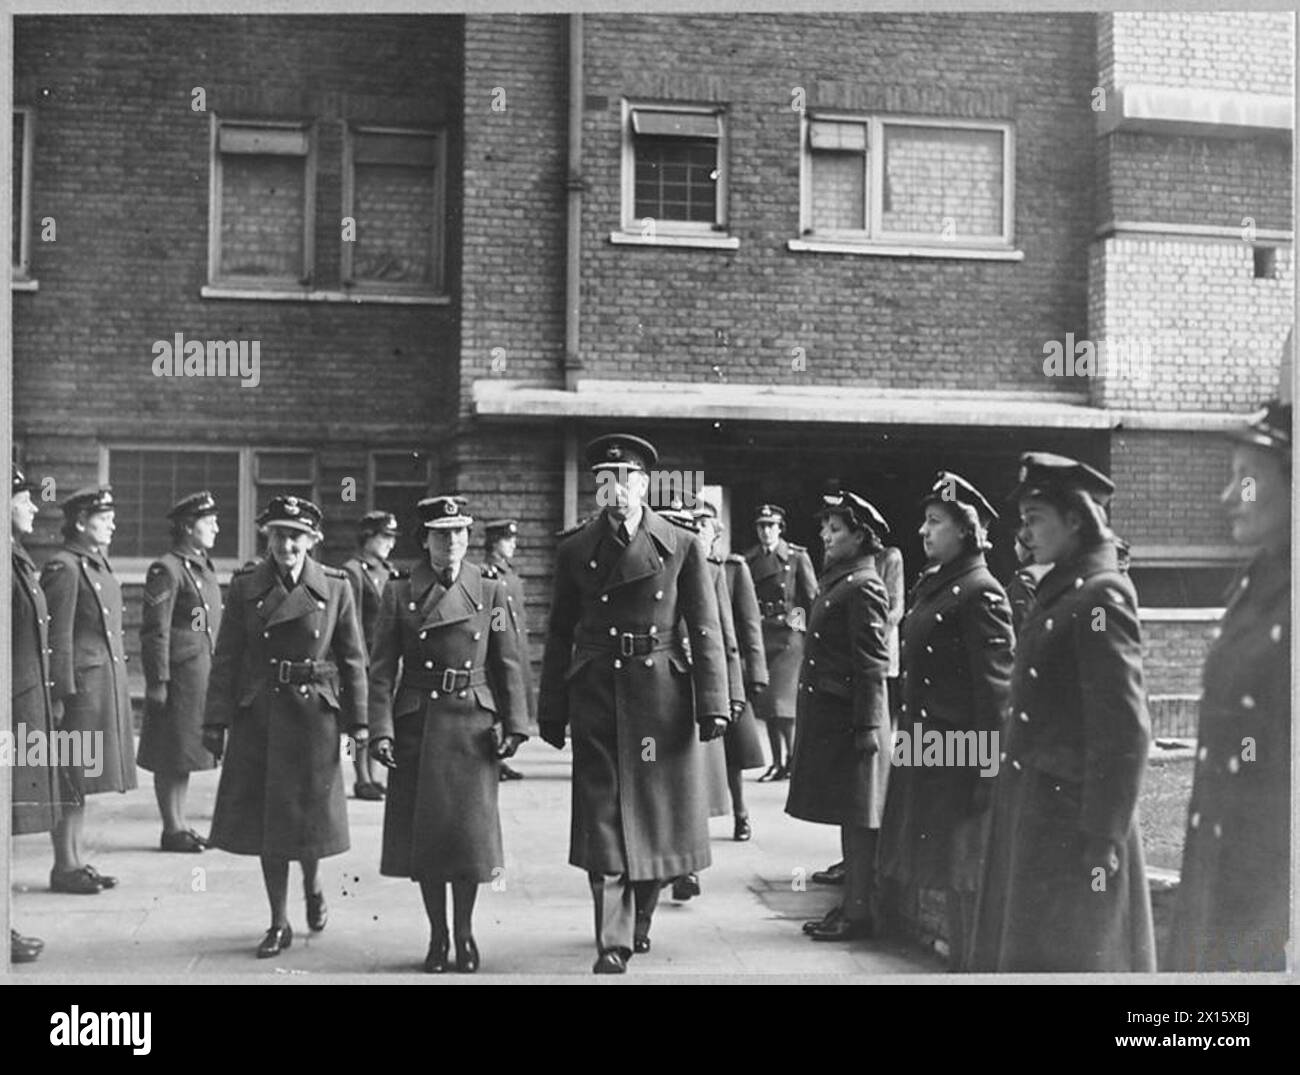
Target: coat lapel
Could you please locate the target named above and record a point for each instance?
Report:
(654, 539)
(954, 569)
(306, 597)
(1090, 561)
(767, 564)
(463, 600)
(839, 571)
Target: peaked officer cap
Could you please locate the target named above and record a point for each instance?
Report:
(950, 488)
(1270, 426)
(193, 506)
(444, 513)
(377, 522)
(859, 511)
(1046, 472)
(770, 513)
(21, 484)
(620, 451)
(292, 513)
(499, 528)
(92, 499)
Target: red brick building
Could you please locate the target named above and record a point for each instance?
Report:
(785, 248)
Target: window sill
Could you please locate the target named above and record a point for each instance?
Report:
(23, 284)
(903, 250)
(699, 242)
(356, 298)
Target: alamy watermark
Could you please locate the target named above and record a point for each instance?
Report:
(180, 357)
(949, 748)
(65, 749)
(1120, 358)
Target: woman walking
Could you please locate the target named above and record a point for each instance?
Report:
(841, 748)
(1064, 885)
(956, 673)
(447, 705)
(288, 677)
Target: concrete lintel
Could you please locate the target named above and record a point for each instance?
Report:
(1182, 110)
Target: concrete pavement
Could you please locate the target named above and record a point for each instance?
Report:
(200, 916)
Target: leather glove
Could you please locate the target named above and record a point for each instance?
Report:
(1100, 851)
(382, 751)
(553, 734)
(737, 710)
(712, 727)
(214, 740)
(509, 744)
(155, 696)
(866, 741)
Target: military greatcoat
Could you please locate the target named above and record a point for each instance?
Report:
(281, 790)
(631, 704)
(842, 691)
(37, 790)
(88, 662)
(744, 745)
(499, 568)
(1074, 751)
(368, 577)
(785, 586)
(459, 691)
(956, 651)
(1233, 907)
(178, 635)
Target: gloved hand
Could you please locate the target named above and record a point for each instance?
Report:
(737, 709)
(382, 751)
(214, 740)
(509, 744)
(866, 741)
(712, 727)
(552, 733)
(1100, 851)
(155, 697)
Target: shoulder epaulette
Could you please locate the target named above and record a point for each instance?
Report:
(334, 572)
(490, 571)
(736, 558)
(395, 573)
(797, 548)
(247, 567)
(575, 527)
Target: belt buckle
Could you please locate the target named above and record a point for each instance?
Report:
(283, 673)
(627, 644)
(449, 680)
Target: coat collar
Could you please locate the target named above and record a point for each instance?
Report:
(279, 605)
(198, 559)
(23, 557)
(764, 564)
(1267, 572)
(654, 539)
(85, 551)
(932, 581)
(849, 567)
(1090, 561)
(439, 605)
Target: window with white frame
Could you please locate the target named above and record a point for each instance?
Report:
(908, 181)
(398, 481)
(20, 255)
(674, 169)
(148, 479)
(393, 191)
(263, 203)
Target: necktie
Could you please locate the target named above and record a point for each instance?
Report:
(624, 537)
(446, 577)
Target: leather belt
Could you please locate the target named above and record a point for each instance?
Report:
(446, 680)
(625, 643)
(772, 609)
(296, 672)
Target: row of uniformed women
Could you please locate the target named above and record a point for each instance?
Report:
(1064, 804)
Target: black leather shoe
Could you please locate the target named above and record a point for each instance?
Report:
(769, 774)
(317, 912)
(101, 879)
(368, 791)
(277, 939)
(203, 840)
(611, 962)
(832, 875)
(466, 955)
(845, 929)
(641, 935)
(743, 830)
(640, 944)
(78, 881)
(813, 925)
(24, 949)
(782, 773)
(183, 841)
(685, 887)
(436, 960)
(508, 773)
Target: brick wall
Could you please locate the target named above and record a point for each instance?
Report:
(1219, 50)
(1168, 486)
(1173, 654)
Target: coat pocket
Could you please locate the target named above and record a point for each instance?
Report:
(483, 696)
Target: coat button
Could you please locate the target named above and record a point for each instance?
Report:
(659, 595)
(817, 634)
(469, 664)
(1247, 702)
(956, 591)
(1275, 632)
(591, 564)
(315, 634)
(812, 663)
(478, 635)
(604, 599)
(428, 664)
(1078, 584)
(1218, 830)
(618, 663)
(424, 635)
(320, 604)
(1033, 673)
(1194, 821)
(411, 607)
(926, 680)
(266, 634)
(1015, 764)
(902, 707)
(461, 695)
(1024, 716)
(649, 662)
(613, 631)
(1048, 624)
(433, 694)
(929, 649)
(1233, 764)
(1203, 753)
(259, 604)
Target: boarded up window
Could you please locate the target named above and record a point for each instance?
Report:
(395, 203)
(942, 180)
(264, 200)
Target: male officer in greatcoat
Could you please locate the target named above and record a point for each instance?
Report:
(500, 545)
(786, 586)
(368, 572)
(623, 581)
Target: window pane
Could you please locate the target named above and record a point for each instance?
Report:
(675, 180)
(394, 207)
(826, 134)
(262, 207)
(147, 483)
(839, 191)
(402, 468)
(932, 173)
(674, 124)
(17, 255)
(235, 139)
(401, 480)
(290, 467)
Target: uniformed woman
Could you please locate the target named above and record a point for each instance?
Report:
(88, 670)
(447, 704)
(1064, 885)
(842, 735)
(37, 790)
(955, 675)
(1232, 911)
(288, 677)
(180, 619)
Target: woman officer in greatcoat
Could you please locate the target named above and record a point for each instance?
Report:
(443, 723)
(956, 673)
(1233, 911)
(38, 790)
(1064, 885)
(842, 732)
(180, 620)
(288, 678)
(88, 670)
